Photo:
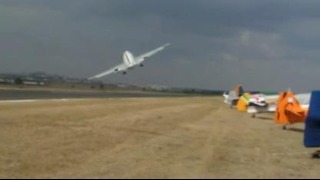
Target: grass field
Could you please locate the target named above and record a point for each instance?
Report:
(197, 137)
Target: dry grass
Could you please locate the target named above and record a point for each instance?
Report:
(146, 138)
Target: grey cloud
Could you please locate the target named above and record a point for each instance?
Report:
(216, 44)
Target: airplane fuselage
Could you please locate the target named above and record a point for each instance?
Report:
(128, 59)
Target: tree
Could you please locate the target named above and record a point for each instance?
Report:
(101, 86)
(18, 81)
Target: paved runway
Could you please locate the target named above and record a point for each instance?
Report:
(51, 94)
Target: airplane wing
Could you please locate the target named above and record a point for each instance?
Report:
(143, 57)
(303, 98)
(120, 67)
(271, 98)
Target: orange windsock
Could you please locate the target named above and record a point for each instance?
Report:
(289, 110)
(280, 117)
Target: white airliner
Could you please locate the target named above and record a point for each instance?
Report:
(129, 62)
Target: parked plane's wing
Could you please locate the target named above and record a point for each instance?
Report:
(142, 57)
(303, 98)
(120, 67)
(271, 98)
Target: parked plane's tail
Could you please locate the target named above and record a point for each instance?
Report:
(232, 97)
(239, 90)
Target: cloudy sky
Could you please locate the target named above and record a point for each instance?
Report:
(215, 44)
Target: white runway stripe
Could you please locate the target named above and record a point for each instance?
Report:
(31, 100)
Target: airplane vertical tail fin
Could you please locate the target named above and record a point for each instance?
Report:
(239, 90)
(231, 97)
(234, 94)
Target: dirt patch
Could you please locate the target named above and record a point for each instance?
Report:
(147, 138)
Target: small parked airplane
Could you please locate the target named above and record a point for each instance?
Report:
(261, 103)
(129, 62)
(253, 98)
